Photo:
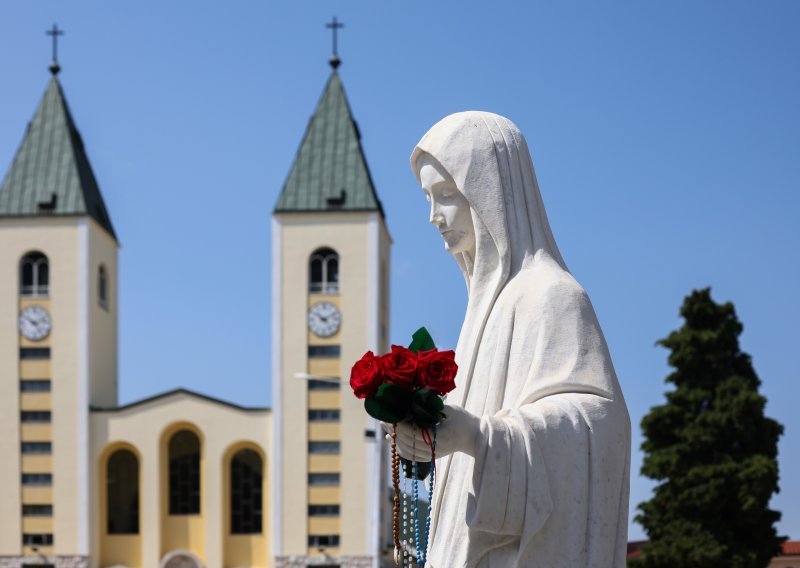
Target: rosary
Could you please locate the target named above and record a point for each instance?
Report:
(402, 542)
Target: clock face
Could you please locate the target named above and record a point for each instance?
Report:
(34, 323)
(324, 319)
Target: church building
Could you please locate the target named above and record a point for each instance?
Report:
(181, 479)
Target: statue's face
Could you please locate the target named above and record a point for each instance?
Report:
(450, 211)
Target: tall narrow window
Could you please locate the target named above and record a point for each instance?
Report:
(102, 287)
(122, 493)
(246, 492)
(34, 275)
(184, 473)
(324, 272)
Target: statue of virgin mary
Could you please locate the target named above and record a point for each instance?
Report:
(533, 459)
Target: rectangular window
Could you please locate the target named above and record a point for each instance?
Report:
(316, 384)
(324, 447)
(323, 479)
(37, 447)
(323, 510)
(38, 385)
(323, 540)
(324, 351)
(37, 479)
(40, 416)
(37, 510)
(323, 415)
(34, 352)
(37, 539)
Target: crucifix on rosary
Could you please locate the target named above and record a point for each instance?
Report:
(335, 25)
(54, 32)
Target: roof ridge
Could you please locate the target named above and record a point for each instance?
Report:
(174, 392)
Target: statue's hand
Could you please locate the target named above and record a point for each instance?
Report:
(456, 433)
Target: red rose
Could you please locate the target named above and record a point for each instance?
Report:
(366, 376)
(437, 370)
(400, 366)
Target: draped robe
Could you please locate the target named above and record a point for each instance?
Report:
(548, 486)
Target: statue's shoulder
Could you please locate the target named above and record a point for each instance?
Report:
(546, 286)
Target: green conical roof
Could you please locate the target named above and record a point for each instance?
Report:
(51, 174)
(330, 172)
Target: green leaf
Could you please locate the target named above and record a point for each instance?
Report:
(426, 408)
(391, 403)
(421, 340)
(382, 411)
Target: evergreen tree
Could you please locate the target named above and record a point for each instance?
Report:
(711, 450)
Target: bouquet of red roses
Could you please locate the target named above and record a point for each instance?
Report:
(406, 383)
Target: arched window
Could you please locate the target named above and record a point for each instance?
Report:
(122, 493)
(184, 473)
(247, 482)
(324, 272)
(102, 286)
(34, 275)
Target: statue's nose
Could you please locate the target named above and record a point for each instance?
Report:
(436, 217)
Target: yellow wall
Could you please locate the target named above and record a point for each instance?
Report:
(34, 369)
(321, 495)
(147, 427)
(36, 401)
(37, 524)
(325, 367)
(36, 432)
(102, 320)
(37, 494)
(361, 248)
(122, 550)
(34, 463)
(325, 399)
(321, 431)
(58, 239)
(323, 525)
(36, 551)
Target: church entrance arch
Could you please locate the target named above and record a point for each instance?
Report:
(181, 559)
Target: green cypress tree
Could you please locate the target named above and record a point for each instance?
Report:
(711, 450)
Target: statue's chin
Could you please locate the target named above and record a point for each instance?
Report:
(454, 248)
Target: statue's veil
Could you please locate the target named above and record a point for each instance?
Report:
(488, 158)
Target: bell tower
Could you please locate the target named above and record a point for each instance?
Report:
(58, 336)
(330, 304)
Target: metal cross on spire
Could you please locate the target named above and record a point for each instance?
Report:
(335, 25)
(55, 32)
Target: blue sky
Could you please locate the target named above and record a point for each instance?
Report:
(665, 136)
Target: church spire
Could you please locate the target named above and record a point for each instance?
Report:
(51, 174)
(330, 171)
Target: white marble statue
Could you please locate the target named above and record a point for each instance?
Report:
(534, 455)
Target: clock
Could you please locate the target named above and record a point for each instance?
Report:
(34, 323)
(324, 319)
